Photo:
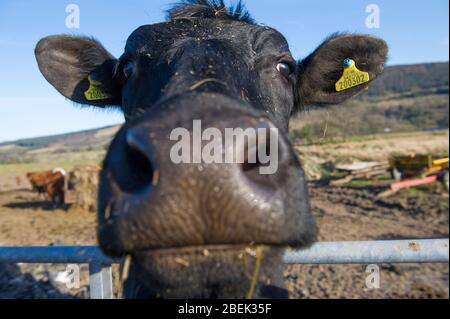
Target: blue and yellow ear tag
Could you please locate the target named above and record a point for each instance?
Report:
(95, 91)
(352, 76)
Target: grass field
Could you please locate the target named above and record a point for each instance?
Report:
(51, 160)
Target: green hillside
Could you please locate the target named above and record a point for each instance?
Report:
(419, 78)
(403, 99)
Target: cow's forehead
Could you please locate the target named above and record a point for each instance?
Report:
(261, 39)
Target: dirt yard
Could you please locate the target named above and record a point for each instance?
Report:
(342, 214)
(356, 214)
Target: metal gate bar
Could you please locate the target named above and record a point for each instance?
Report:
(360, 252)
(373, 252)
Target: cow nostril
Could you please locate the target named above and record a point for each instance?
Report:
(253, 163)
(267, 159)
(256, 153)
(138, 165)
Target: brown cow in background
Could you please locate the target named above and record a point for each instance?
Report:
(38, 180)
(49, 183)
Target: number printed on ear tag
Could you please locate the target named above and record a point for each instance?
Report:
(95, 91)
(352, 76)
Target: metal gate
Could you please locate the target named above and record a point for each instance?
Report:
(356, 252)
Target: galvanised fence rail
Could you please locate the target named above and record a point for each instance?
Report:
(357, 252)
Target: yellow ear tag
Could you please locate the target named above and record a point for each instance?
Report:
(352, 76)
(95, 92)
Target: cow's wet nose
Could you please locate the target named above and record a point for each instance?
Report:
(161, 189)
(256, 157)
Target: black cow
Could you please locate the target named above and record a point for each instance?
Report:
(204, 230)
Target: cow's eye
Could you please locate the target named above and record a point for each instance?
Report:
(285, 69)
(128, 69)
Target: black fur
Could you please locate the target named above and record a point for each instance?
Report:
(211, 63)
(209, 9)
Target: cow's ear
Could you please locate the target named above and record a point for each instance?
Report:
(80, 69)
(322, 79)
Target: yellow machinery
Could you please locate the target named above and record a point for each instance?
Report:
(420, 166)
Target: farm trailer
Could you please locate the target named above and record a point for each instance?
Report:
(407, 171)
(358, 252)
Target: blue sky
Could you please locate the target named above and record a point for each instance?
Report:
(416, 30)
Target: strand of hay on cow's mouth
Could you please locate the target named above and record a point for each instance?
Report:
(84, 181)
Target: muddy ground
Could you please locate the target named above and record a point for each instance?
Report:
(356, 214)
(343, 213)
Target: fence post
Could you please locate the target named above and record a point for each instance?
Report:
(100, 280)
